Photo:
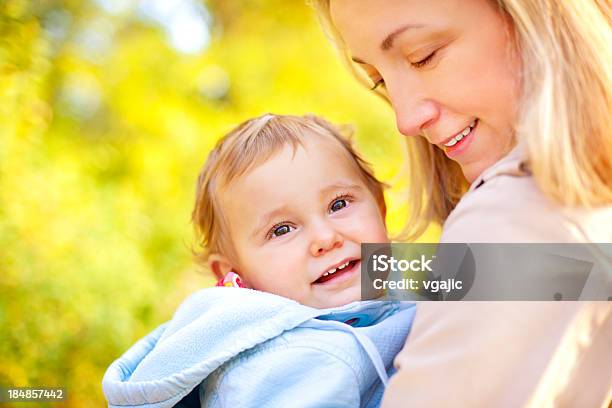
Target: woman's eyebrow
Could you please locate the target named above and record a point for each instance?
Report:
(387, 43)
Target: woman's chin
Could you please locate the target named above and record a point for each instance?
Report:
(471, 171)
(481, 157)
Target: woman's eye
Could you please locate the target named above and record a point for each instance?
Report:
(424, 61)
(380, 82)
(338, 205)
(280, 230)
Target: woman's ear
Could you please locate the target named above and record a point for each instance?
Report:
(219, 265)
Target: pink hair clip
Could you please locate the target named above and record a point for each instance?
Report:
(231, 280)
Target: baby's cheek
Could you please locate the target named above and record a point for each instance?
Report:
(280, 280)
(375, 230)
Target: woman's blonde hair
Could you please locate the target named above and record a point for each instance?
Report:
(249, 145)
(565, 118)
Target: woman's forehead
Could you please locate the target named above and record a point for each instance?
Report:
(381, 22)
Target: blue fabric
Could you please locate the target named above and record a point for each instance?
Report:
(248, 348)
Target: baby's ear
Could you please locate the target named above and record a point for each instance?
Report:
(219, 265)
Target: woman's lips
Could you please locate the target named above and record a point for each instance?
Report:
(462, 145)
(341, 274)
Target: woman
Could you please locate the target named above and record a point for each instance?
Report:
(507, 108)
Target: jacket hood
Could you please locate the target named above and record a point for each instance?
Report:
(209, 328)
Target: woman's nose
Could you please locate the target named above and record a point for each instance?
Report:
(414, 110)
(325, 238)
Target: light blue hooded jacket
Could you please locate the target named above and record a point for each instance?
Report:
(231, 347)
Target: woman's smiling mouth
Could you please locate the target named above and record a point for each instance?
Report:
(459, 143)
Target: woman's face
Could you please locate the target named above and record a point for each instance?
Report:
(448, 68)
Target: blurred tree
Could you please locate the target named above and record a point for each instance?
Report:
(108, 110)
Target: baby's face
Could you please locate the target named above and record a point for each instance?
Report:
(299, 216)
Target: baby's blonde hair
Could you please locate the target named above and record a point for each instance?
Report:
(248, 146)
(565, 118)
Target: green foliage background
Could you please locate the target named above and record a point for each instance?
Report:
(103, 128)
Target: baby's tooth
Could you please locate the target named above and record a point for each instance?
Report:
(465, 131)
(332, 270)
(459, 137)
(473, 123)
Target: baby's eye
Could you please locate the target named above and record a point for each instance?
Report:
(279, 230)
(338, 204)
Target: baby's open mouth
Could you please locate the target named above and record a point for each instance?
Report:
(338, 271)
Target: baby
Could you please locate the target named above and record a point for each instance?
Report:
(283, 204)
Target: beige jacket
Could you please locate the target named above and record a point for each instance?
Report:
(510, 354)
(505, 205)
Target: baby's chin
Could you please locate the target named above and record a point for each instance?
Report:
(331, 300)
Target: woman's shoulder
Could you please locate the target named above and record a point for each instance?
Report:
(512, 208)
